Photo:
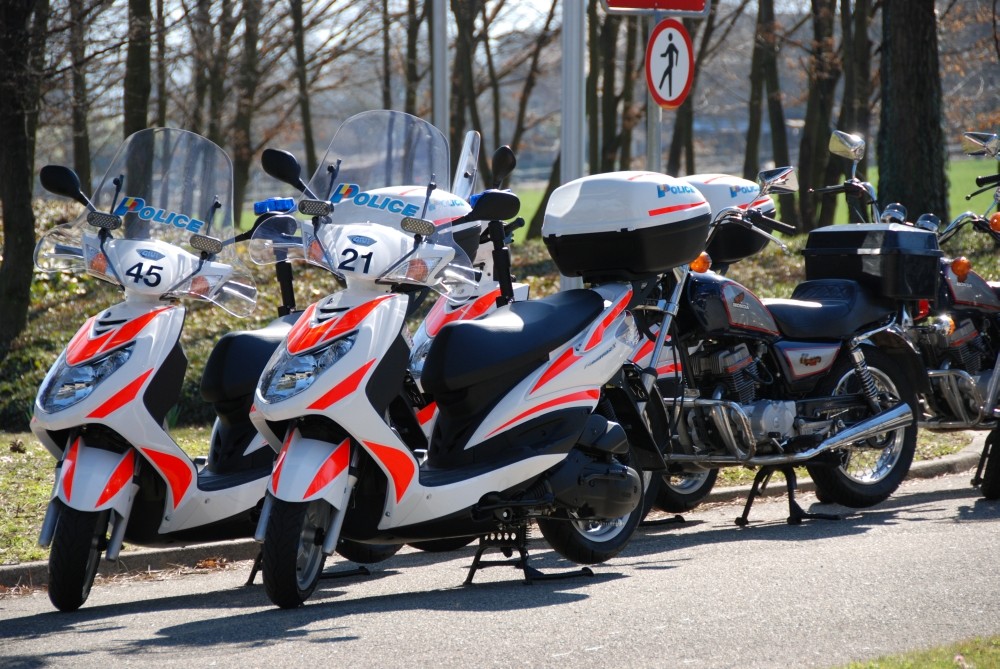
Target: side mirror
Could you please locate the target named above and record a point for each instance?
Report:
(504, 163)
(779, 181)
(61, 180)
(981, 144)
(848, 146)
(493, 205)
(283, 166)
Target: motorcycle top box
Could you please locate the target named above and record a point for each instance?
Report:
(896, 261)
(732, 243)
(625, 225)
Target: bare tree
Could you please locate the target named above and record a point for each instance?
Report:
(138, 83)
(79, 22)
(247, 81)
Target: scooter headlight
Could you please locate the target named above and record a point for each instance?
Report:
(418, 357)
(292, 374)
(69, 384)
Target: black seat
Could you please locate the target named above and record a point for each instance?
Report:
(238, 359)
(827, 309)
(465, 353)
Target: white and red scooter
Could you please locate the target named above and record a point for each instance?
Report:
(160, 228)
(518, 435)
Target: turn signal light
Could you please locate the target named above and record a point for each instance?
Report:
(99, 264)
(961, 267)
(702, 263)
(995, 222)
(200, 286)
(316, 252)
(923, 310)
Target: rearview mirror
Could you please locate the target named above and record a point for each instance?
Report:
(779, 181)
(61, 180)
(981, 144)
(282, 166)
(848, 146)
(504, 163)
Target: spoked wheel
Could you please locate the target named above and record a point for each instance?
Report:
(79, 539)
(872, 469)
(588, 541)
(684, 491)
(355, 551)
(442, 545)
(293, 550)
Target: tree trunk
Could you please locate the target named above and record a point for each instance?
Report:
(824, 70)
(751, 157)
(247, 81)
(161, 66)
(591, 86)
(682, 141)
(302, 79)
(22, 22)
(630, 111)
(776, 110)
(609, 99)
(79, 22)
(544, 37)
(535, 227)
(911, 143)
(218, 73)
(137, 84)
(413, 21)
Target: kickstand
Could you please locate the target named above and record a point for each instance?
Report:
(795, 512)
(360, 570)
(507, 540)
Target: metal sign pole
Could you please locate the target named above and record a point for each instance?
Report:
(441, 115)
(654, 121)
(572, 135)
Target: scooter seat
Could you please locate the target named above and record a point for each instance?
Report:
(238, 359)
(827, 309)
(520, 334)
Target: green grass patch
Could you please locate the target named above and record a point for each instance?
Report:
(976, 653)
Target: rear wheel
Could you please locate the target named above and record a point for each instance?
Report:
(872, 469)
(684, 491)
(589, 541)
(79, 539)
(293, 550)
(355, 551)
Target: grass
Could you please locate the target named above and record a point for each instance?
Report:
(976, 653)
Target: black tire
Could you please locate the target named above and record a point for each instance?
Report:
(355, 551)
(682, 492)
(588, 541)
(77, 543)
(871, 471)
(442, 545)
(990, 486)
(293, 550)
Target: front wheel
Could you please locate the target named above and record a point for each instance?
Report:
(590, 541)
(77, 543)
(293, 550)
(684, 491)
(872, 469)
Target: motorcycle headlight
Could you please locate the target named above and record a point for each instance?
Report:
(292, 374)
(70, 384)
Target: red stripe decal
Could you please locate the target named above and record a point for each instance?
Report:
(305, 334)
(586, 395)
(175, 470)
(427, 413)
(276, 474)
(69, 468)
(331, 467)
(119, 477)
(82, 348)
(595, 338)
(121, 398)
(676, 207)
(438, 317)
(644, 350)
(400, 465)
(342, 389)
(556, 367)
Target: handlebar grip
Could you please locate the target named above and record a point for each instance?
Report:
(773, 223)
(988, 180)
(828, 189)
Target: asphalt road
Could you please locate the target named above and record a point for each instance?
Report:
(916, 571)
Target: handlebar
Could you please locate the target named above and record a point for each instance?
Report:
(757, 217)
(988, 180)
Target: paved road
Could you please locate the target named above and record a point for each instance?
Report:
(916, 571)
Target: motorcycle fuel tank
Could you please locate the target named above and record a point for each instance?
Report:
(973, 292)
(721, 305)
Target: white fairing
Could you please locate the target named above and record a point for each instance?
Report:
(723, 190)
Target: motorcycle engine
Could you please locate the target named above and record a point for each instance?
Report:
(734, 368)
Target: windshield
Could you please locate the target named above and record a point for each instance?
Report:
(169, 188)
(381, 168)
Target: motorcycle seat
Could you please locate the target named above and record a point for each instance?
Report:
(238, 359)
(521, 334)
(826, 309)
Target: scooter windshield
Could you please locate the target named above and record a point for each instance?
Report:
(381, 169)
(161, 224)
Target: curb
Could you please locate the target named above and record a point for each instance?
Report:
(35, 574)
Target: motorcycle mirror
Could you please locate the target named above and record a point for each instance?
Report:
(848, 146)
(61, 180)
(779, 181)
(981, 144)
(417, 226)
(504, 163)
(283, 166)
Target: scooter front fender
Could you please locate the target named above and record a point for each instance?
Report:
(95, 479)
(309, 469)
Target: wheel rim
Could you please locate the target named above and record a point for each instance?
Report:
(309, 559)
(876, 461)
(686, 483)
(601, 531)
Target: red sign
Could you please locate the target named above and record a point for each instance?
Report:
(669, 63)
(669, 7)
